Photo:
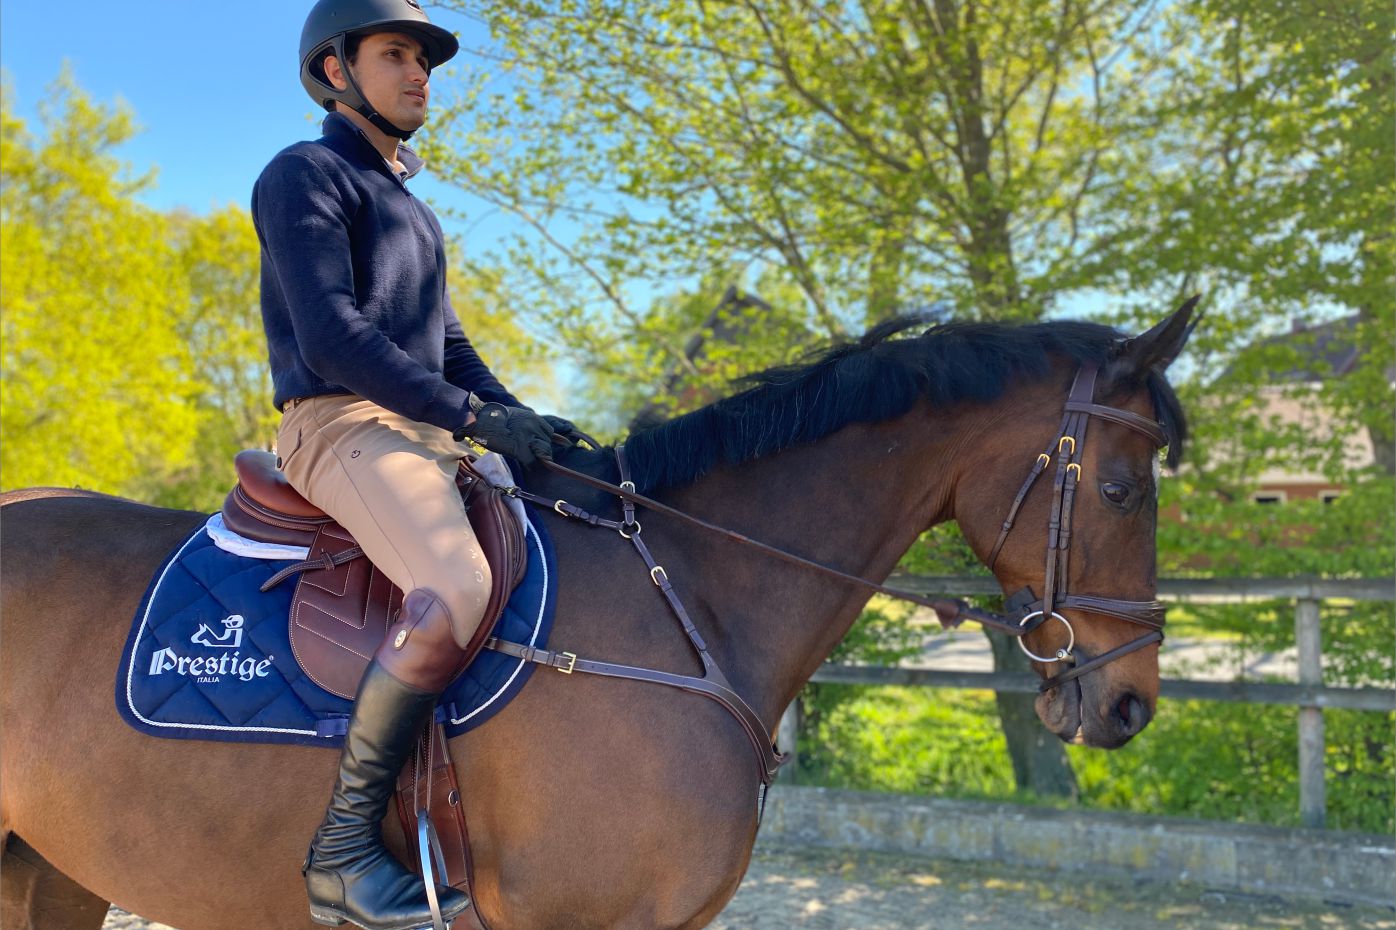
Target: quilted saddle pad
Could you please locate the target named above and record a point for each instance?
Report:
(209, 655)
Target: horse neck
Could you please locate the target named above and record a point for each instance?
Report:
(855, 501)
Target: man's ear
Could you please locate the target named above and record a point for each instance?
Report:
(335, 73)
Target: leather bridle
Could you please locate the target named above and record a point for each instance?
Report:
(1030, 611)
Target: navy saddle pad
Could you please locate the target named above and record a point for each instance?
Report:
(209, 655)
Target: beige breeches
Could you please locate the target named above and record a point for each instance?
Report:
(390, 481)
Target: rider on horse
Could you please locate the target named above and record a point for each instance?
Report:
(379, 387)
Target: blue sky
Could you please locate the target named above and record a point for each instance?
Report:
(215, 86)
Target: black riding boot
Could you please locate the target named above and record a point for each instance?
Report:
(349, 875)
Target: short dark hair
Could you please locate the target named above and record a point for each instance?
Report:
(351, 46)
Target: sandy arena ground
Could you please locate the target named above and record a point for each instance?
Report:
(831, 890)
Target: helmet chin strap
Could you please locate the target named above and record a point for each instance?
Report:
(353, 97)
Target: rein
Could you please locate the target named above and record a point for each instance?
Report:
(951, 611)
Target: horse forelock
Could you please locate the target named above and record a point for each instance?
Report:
(878, 377)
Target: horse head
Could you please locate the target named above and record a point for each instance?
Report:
(1080, 531)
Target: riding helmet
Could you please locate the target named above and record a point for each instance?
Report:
(331, 21)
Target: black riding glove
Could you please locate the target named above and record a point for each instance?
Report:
(513, 431)
(563, 427)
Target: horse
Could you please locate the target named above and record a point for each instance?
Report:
(599, 803)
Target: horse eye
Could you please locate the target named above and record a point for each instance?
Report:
(1115, 493)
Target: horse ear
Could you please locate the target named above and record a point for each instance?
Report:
(1155, 350)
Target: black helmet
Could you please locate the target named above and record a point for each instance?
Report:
(330, 21)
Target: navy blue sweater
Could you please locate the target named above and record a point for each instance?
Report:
(354, 284)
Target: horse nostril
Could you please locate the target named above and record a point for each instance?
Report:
(1131, 714)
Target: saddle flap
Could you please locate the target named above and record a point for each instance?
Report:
(339, 615)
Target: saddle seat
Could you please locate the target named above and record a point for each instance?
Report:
(343, 605)
(264, 482)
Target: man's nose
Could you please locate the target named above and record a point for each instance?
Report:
(417, 74)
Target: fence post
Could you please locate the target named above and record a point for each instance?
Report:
(1311, 762)
(788, 739)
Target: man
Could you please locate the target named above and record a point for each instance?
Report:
(379, 387)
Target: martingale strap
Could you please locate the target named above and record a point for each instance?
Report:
(713, 683)
(951, 612)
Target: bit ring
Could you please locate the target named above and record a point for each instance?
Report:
(1062, 654)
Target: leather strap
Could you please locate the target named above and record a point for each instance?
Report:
(1077, 671)
(951, 611)
(566, 662)
(1128, 418)
(329, 562)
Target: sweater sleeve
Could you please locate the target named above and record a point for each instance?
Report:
(464, 366)
(303, 219)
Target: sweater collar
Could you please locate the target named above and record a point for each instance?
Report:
(339, 127)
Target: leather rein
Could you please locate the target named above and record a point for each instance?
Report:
(1027, 611)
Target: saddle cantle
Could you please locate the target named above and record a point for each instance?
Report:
(343, 604)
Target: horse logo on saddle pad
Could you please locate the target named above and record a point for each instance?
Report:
(231, 638)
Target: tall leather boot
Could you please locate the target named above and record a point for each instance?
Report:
(349, 875)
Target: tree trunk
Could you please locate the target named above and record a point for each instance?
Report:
(1040, 763)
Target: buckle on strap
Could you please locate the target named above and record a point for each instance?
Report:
(571, 658)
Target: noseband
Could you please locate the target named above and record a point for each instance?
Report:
(1030, 612)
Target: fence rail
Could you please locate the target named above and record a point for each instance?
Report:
(1310, 695)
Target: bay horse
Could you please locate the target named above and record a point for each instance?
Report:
(597, 803)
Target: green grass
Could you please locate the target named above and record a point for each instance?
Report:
(1196, 759)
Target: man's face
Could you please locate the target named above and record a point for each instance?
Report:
(391, 69)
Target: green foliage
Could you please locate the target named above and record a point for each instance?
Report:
(221, 326)
(1196, 759)
(894, 739)
(843, 160)
(95, 369)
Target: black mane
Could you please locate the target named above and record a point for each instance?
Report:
(875, 378)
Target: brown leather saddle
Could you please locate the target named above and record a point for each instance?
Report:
(343, 605)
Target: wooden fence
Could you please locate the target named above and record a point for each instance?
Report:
(1309, 694)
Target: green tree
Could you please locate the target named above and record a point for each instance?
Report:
(220, 326)
(95, 370)
(877, 154)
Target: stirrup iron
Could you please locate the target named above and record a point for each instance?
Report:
(429, 851)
